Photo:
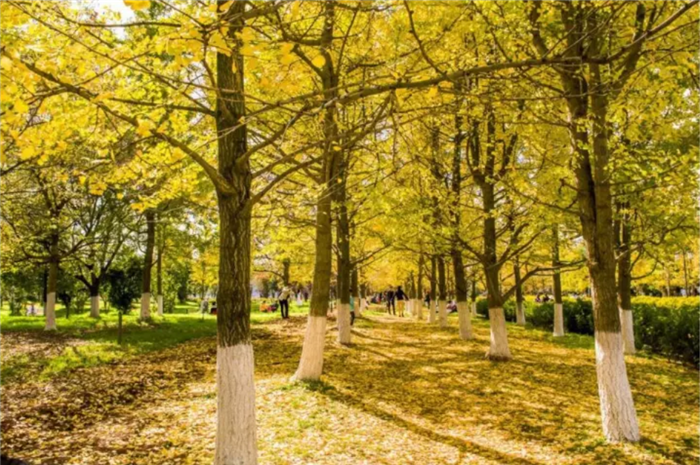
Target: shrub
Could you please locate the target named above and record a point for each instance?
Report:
(667, 325)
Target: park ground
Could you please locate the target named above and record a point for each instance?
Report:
(403, 393)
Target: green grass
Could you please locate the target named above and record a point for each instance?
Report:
(82, 341)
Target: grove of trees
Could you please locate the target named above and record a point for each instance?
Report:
(454, 148)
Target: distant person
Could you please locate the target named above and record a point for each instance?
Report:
(539, 297)
(545, 298)
(205, 306)
(352, 308)
(31, 310)
(390, 302)
(283, 298)
(213, 308)
(401, 297)
(451, 306)
(427, 299)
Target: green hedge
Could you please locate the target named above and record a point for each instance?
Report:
(666, 325)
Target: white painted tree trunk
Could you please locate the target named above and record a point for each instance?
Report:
(159, 299)
(442, 313)
(409, 307)
(474, 308)
(465, 320)
(616, 404)
(432, 317)
(344, 334)
(235, 433)
(145, 305)
(418, 309)
(558, 320)
(95, 306)
(311, 363)
(498, 349)
(358, 306)
(50, 312)
(627, 322)
(520, 314)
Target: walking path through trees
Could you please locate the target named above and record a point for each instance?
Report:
(402, 392)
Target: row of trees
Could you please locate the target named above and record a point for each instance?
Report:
(510, 140)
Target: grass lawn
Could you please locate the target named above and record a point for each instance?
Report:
(403, 393)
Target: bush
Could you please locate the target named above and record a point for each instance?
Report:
(667, 325)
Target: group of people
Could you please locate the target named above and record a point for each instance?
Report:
(395, 298)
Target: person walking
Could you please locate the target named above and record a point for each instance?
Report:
(401, 297)
(283, 298)
(390, 302)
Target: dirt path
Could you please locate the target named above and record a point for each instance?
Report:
(402, 393)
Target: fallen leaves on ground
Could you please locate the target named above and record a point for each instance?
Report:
(403, 393)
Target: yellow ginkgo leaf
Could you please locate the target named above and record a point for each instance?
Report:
(21, 106)
(137, 5)
(287, 59)
(144, 128)
(27, 152)
(319, 61)
(433, 92)
(226, 6)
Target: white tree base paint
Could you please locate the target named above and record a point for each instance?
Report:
(235, 426)
(95, 306)
(498, 349)
(358, 306)
(145, 305)
(418, 309)
(50, 312)
(159, 299)
(465, 321)
(558, 320)
(616, 404)
(344, 334)
(627, 322)
(311, 362)
(442, 313)
(432, 315)
(409, 307)
(520, 314)
(474, 308)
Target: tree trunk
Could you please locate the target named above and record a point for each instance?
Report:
(236, 429)
(355, 290)
(519, 307)
(474, 295)
(94, 296)
(311, 363)
(159, 280)
(624, 286)
(595, 210)
(433, 289)
(442, 290)
(465, 320)
(556, 278)
(147, 265)
(51, 287)
(343, 244)
(419, 289)
(498, 349)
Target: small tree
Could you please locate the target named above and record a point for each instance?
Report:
(124, 288)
